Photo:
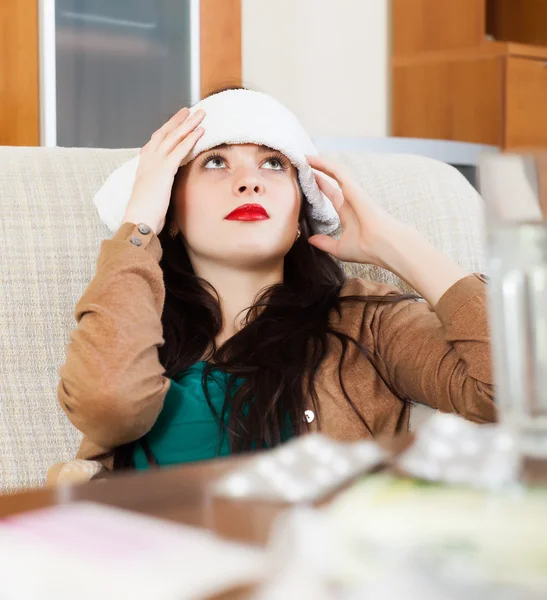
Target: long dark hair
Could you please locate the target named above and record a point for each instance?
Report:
(279, 350)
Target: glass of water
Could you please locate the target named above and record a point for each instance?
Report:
(514, 189)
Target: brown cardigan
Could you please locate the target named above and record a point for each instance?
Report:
(112, 385)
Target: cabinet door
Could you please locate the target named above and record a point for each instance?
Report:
(19, 95)
(425, 25)
(449, 99)
(525, 103)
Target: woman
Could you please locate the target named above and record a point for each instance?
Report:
(219, 322)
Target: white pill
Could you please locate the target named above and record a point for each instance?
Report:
(449, 424)
(281, 479)
(313, 443)
(365, 451)
(441, 449)
(341, 466)
(504, 441)
(267, 466)
(297, 494)
(325, 454)
(457, 474)
(287, 457)
(470, 447)
(323, 475)
(238, 485)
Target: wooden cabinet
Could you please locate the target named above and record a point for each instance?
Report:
(220, 45)
(425, 25)
(525, 102)
(451, 99)
(452, 80)
(19, 78)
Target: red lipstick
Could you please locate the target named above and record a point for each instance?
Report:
(248, 212)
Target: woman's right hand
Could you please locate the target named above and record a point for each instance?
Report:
(159, 162)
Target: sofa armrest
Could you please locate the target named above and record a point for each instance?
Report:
(74, 471)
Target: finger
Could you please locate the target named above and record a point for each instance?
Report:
(333, 193)
(185, 147)
(159, 135)
(174, 138)
(350, 190)
(324, 242)
(335, 171)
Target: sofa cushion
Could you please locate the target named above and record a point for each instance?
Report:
(49, 240)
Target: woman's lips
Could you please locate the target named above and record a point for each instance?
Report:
(248, 212)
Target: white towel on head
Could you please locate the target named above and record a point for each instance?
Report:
(235, 117)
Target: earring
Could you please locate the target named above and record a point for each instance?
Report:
(172, 233)
(297, 234)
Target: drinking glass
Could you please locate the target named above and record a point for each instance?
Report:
(514, 188)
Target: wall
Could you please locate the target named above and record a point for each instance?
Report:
(327, 60)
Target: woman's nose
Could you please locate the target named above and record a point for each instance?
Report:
(249, 185)
(245, 187)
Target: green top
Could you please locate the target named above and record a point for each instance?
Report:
(186, 429)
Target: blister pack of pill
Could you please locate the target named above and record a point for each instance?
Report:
(452, 450)
(305, 469)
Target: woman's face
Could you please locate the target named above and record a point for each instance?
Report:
(219, 181)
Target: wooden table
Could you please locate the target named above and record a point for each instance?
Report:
(182, 494)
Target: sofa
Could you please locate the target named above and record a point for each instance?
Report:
(49, 241)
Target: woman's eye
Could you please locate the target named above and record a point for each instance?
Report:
(218, 162)
(278, 166)
(214, 163)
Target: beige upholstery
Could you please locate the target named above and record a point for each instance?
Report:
(49, 241)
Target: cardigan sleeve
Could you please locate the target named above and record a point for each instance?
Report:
(439, 357)
(112, 384)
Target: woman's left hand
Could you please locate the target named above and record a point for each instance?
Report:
(367, 228)
(373, 236)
